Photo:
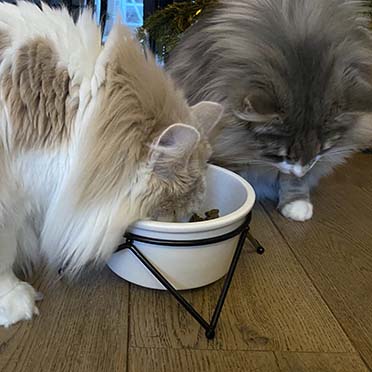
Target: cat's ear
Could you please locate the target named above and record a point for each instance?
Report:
(258, 106)
(260, 103)
(206, 115)
(173, 148)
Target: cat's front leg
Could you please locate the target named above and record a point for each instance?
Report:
(294, 198)
(17, 298)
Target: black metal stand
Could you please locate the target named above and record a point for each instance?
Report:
(243, 230)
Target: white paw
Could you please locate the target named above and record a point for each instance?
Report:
(298, 210)
(18, 304)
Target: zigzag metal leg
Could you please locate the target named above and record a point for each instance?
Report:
(217, 311)
(169, 286)
(209, 327)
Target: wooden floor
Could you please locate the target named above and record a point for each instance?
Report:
(306, 305)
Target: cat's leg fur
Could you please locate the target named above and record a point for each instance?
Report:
(264, 181)
(294, 198)
(17, 298)
(294, 192)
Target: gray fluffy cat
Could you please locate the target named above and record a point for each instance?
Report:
(295, 79)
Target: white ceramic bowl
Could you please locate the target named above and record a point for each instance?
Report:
(195, 266)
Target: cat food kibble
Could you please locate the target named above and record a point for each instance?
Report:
(212, 214)
(209, 215)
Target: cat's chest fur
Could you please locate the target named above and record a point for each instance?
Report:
(41, 176)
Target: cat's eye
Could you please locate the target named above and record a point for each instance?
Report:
(275, 158)
(325, 148)
(276, 120)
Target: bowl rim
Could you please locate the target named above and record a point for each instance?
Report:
(201, 226)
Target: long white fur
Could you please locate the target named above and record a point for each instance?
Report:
(78, 45)
(39, 211)
(87, 234)
(42, 207)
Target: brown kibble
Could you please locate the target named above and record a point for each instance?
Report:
(212, 214)
(196, 218)
(209, 215)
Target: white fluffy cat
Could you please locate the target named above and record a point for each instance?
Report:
(92, 138)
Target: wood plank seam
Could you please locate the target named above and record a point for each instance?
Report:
(128, 330)
(315, 285)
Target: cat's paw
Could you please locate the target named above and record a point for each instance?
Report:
(18, 304)
(298, 210)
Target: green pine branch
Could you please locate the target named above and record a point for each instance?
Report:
(166, 26)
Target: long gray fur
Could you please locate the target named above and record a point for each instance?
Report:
(305, 66)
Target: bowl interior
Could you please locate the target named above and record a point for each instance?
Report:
(191, 266)
(226, 191)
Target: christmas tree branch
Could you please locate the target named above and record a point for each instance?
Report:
(166, 25)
